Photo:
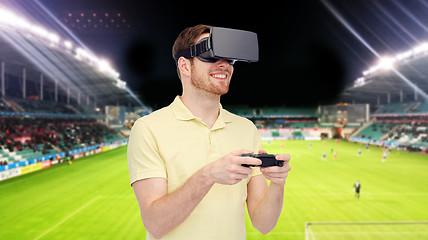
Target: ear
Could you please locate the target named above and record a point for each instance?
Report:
(184, 66)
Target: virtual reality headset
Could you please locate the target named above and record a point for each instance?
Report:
(224, 43)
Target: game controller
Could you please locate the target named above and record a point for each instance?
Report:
(268, 160)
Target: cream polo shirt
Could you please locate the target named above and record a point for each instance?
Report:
(173, 144)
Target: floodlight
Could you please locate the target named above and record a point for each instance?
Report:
(359, 82)
(53, 38)
(68, 45)
(386, 63)
(10, 21)
(120, 84)
(373, 69)
(404, 55)
(7, 16)
(39, 31)
(421, 48)
(103, 65)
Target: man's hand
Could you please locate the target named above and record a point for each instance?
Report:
(229, 170)
(264, 202)
(277, 174)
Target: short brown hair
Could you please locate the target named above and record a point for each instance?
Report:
(188, 37)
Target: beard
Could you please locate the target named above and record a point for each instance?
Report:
(210, 85)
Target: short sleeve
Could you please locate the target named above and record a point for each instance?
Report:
(144, 159)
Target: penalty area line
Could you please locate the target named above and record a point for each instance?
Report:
(66, 218)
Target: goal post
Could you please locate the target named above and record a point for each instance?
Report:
(366, 230)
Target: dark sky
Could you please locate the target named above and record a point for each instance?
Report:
(307, 56)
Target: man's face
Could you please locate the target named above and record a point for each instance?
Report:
(211, 77)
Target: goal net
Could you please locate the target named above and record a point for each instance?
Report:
(366, 230)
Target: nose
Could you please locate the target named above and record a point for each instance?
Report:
(223, 63)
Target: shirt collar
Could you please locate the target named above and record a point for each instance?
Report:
(182, 113)
(180, 110)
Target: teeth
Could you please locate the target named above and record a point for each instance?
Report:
(219, 75)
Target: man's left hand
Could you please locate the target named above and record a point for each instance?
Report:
(277, 174)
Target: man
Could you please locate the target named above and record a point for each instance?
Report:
(357, 187)
(185, 160)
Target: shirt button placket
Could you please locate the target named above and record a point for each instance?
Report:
(212, 142)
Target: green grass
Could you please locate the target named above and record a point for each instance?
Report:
(322, 190)
(89, 199)
(92, 199)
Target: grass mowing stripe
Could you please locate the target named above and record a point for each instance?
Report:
(66, 218)
(40, 200)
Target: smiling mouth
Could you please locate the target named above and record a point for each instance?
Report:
(219, 76)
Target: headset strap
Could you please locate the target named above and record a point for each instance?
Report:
(193, 50)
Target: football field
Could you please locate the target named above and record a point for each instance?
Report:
(92, 199)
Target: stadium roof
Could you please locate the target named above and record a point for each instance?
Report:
(405, 79)
(40, 51)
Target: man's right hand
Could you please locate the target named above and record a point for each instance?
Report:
(229, 170)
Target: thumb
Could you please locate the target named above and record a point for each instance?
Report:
(262, 151)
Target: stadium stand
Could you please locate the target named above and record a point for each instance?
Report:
(419, 107)
(53, 93)
(282, 123)
(376, 130)
(288, 112)
(25, 138)
(402, 125)
(20, 107)
(395, 108)
(399, 125)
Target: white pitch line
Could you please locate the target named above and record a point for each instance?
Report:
(66, 218)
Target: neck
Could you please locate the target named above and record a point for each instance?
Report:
(204, 107)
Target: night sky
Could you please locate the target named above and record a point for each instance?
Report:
(307, 55)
